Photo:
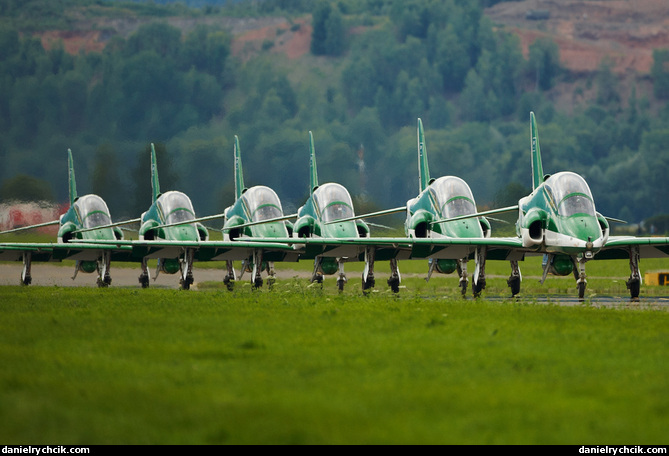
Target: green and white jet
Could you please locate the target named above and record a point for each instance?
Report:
(86, 221)
(256, 213)
(325, 222)
(170, 218)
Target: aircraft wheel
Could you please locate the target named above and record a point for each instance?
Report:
(144, 280)
(340, 284)
(28, 280)
(107, 280)
(634, 286)
(477, 288)
(229, 283)
(463, 287)
(368, 284)
(581, 290)
(102, 283)
(257, 283)
(270, 282)
(514, 284)
(394, 284)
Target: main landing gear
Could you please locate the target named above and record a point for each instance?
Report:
(368, 281)
(255, 267)
(26, 278)
(634, 282)
(514, 280)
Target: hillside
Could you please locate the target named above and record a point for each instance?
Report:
(624, 31)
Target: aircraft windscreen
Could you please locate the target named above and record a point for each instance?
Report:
(262, 203)
(452, 196)
(93, 211)
(572, 194)
(176, 207)
(334, 202)
(457, 207)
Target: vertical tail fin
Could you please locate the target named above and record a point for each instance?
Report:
(155, 185)
(423, 169)
(537, 168)
(72, 184)
(239, 174)
(313, 173)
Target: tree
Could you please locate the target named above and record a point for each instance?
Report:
(544, 62)
(328, 35)
(26, 188)
(660, 73)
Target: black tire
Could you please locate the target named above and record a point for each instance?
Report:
(514, 284)
(340, 284)
(581, 290)
(463, 288)
(368, 284)
(634, 286)
(257, 283)
(144, 280)
(477, 288)
(394, 284)
(229, 283)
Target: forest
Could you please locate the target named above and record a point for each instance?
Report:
(373, 68)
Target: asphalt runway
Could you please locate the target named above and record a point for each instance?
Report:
(44, 274)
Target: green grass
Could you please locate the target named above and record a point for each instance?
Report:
(299, 365)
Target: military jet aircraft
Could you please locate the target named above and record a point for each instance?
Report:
(86, 220)
(328, 217)
(256, 213)
(429, 216)
(170, 218)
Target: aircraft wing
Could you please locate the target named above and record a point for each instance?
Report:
(618, 247)
(14, 251)
(207, 250)
(403, 248)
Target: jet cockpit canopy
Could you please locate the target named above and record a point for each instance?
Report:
(452, 197)
(262, 203)
(333, 202)
(92, 211)
(571, 194)
(175, 207)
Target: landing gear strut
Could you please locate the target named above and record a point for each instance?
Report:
(514, 280)
(634, 282)
(395, 278)
(26, 278)
(479, 272)
(231, 276)
(581, 282)
(104, 263)
(341, 281)
(187, 270)
(144, 276)
(462, 272)
(368, 281)
(317, 275)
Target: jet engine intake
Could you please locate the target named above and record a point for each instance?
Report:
(535, 224)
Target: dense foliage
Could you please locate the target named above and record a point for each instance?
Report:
(374, 67)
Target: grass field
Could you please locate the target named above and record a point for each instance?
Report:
(303, 365)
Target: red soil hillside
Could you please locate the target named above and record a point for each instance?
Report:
(625, 31)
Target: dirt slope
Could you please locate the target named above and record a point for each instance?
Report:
(626, 31)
